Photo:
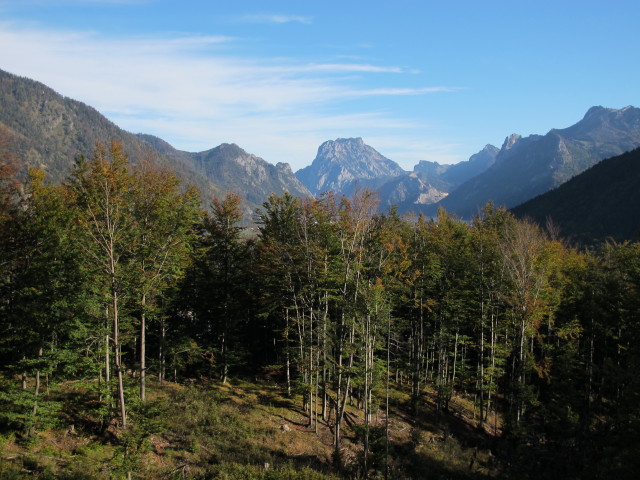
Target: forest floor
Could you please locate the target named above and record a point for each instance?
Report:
(249, 430)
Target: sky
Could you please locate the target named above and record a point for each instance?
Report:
(417, 80)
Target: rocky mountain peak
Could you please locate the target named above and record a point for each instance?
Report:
(341, 162)
(285, 167)
(230, 150)
(510, 141)
(490, 149)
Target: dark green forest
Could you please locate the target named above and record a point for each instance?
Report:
(597, 204)
(116, 284)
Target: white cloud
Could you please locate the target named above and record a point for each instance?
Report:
(274, 18)
(64, 3)
(191, 92)
(401, 91)
(346, 67)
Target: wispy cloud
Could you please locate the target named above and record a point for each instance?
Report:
(193, 92)
(347, 67)
(197, 41)
(403, 91)
(274, 18)
(66, 3)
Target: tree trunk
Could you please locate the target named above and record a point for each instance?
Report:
(325, 410)
(455, 362)
(311, 368)
(286, 349)
(116, 356)
(143, 366)
(161, 353)
(36, 391)
(107, 348)
(366, 393)
(386, 421)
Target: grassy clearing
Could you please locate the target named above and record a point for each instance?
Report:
(248, 430)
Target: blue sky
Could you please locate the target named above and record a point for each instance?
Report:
(418, 80)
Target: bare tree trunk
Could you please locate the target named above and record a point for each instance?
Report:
(386, 421)
(366, 393)
(311, 368)
(492, 360)
(223, 354)
(143, 353)
(36, 392)
(481, 365)
(317, 386)
(161, 353)
(107, 348)
(116, 356)
(286, 349)
(24, 378)
(325, 410)
(455, 362)
(339, 387)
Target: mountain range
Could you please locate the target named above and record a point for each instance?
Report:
(527, 167)
(346, 164)
(523, 168)
(48, 130)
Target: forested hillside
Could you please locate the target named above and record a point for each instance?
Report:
(49, 131)
(130, 319)
(599, 204)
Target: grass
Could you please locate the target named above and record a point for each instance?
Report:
(248, 430)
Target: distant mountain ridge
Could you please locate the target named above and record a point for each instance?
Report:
(235, 170)
(449, 177)
(345, 164)
(527, 167)
(50, 131)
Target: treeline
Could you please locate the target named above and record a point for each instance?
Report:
(117, 274)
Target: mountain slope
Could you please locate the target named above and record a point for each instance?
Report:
(49, 131)
(459, 173)
(526, 167)
(233, 169)
(601, 202)
(447, 178)
(341, 163)
(429, 182)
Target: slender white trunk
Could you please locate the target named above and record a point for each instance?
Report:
(143, 353)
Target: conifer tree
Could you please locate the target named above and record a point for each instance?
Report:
(163, 219)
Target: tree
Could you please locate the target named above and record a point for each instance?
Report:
(278, 261)
(45, 330)
(223, 281)
(163, 220)
(8, 179)
(487, 272)
(523, 248)
(103, 190)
